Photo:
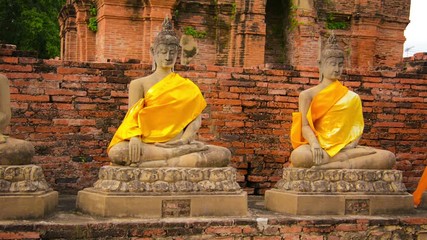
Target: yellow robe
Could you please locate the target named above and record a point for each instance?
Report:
(335, 116)
(168, 107)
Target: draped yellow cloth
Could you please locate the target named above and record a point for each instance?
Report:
(335, 116)
(168, 107)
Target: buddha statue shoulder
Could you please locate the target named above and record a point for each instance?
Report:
(12, 151)
(329, 123)
(160, 127)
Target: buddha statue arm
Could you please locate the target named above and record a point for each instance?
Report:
(5, 112)
(353, 144)
(136, 92)
(187, 136)
(304, 102)
(191, 130)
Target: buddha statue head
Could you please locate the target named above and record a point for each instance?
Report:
(165, 47)
(331, 60)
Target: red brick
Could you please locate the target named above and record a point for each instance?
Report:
(29, 98)
(74, 122)
(64, 70)
(223, 230)
(65, 92)
(13, 60)
(267, 238)
(19, 235)
(228, 95)
(253, 178)
(16, 68)
(154, 232)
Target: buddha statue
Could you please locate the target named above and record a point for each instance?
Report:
(12, 151)
(329, 123)
(164, 115)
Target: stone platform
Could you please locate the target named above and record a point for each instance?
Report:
(164, 192)
(24, 192)
(339, 192)
(259, 224)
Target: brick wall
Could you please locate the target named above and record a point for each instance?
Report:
(275, 228)
(70, 110)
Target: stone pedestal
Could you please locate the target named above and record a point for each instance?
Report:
(24, 192)
(339, 192)
(164, 192)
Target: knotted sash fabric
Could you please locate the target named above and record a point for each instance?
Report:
(335, 116)
(168, 107)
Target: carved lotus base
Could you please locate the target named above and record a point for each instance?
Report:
(22, 178)
(163, 193)
(24, 192)
(341, 181)
(339, 192)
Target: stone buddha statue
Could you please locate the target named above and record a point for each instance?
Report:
(12, 151)
(326, 131)
(164, 115)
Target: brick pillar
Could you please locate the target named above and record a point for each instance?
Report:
(71, 44)
(154, 14)
(85, 37)
(68, 33)
(395, 18)
(303, 47)
(377, 36)
(363, 42)
(248, 34)
(126, 29)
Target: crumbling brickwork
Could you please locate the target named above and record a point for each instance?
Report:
(268, 33)
(70, 110)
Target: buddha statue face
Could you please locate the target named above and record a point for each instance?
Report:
(331, 60)
(165, 55)
(165, 47)
(332, 67)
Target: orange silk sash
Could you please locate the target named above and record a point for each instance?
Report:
(168, 107)
(335, 116)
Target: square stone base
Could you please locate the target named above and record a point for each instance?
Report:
(27, 205)
(161, 206)
(299, 203)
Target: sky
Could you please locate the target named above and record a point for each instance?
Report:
(416, 31)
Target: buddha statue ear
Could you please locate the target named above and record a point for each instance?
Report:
(320, 70)
(154, 65)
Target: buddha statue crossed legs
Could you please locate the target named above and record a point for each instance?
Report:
(164, 116)
(326, 131)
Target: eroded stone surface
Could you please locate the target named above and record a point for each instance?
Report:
(22, 178)
(341, 180)
(161, 180)
(16, 152)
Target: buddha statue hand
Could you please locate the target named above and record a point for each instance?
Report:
(318, 154)
(136, 150)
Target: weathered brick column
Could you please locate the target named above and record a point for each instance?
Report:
(248, 35)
